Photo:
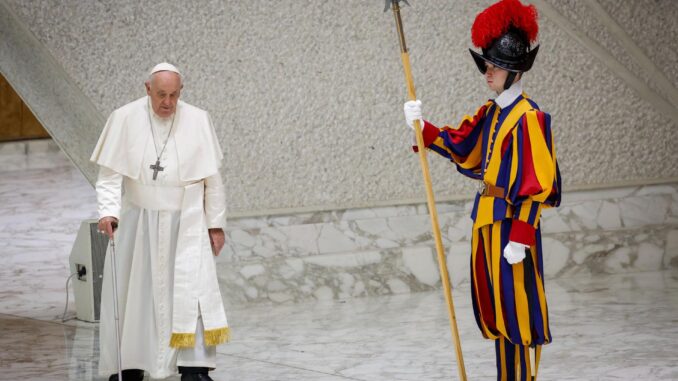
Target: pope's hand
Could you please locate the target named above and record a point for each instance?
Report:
(413, 112)
(217, 240)
(107, 225)
(514, 252)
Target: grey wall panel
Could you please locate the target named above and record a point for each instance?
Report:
(652, 25)
(307, 95)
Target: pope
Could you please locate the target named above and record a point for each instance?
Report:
(159, 184)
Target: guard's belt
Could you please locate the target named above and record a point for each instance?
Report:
(492, 191)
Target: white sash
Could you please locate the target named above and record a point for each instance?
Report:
(196, 287)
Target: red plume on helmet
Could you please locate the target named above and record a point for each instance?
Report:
(504, 32)
(494, 21)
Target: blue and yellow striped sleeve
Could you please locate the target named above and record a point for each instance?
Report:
(534, 176)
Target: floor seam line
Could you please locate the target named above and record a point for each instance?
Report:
(291, 366)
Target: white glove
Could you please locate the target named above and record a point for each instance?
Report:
(514, 252)
(413, 112)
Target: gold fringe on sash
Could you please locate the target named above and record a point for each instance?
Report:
(217, 336)
(212, 337)
(182, 340)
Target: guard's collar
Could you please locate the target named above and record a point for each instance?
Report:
(508, 96)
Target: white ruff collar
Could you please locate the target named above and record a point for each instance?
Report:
(509, 95)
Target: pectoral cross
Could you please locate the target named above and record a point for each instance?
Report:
(156, 167)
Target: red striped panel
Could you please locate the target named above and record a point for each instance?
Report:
(483, 291)
(530, 184)
(458, 135)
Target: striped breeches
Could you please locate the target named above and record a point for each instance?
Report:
(516, 362)
(508, 300)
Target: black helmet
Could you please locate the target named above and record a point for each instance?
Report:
(511, 52)
(504, 32)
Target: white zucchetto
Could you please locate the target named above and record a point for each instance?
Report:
(164, 66)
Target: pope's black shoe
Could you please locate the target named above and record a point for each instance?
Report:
(189, 373)
(129, 375)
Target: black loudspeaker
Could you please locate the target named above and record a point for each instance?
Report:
(87, 260)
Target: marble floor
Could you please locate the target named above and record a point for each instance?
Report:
(620, 327)
(614, 327)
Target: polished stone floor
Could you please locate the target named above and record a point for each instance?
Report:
(621, 327)
(615, 327)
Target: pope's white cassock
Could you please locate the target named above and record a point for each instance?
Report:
(170, 307)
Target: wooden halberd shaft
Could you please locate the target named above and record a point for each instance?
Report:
(433, 213)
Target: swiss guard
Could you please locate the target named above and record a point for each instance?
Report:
(508, 146)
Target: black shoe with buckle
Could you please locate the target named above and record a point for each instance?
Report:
(129, 375)
(189, 373)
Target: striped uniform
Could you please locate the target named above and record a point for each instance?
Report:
(512, 150)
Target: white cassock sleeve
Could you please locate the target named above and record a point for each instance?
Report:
(109, 193)
(215, 202)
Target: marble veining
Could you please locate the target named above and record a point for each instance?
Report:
(337, 254)
(328, 254)
(608, 327)
(611, 291)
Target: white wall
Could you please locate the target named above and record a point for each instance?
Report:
(307, 95)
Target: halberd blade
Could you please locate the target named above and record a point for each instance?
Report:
(389, 2)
